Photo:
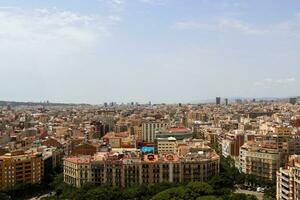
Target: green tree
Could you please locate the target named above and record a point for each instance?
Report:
(229, 175)
(208, 198)
(131, 193)
(196, 189)
(172, 193)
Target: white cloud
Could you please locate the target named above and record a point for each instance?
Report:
(287, 28)
(221, 24)
(115, 9)
(191, 25)
(42, 30)
(155, 2)
(119, 2)
(118, 5)
(50, 52)
(115, 6)
(115, 18)
(272, 83)
(240, 26)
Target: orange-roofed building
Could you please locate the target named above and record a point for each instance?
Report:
(151, 158)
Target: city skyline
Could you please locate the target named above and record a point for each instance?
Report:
(148, 50)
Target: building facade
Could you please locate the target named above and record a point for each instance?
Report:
(288, 180)
(166, 145)
(123, 171)
(21, 168)
(260, 160)
(150, 127)
(231, 144)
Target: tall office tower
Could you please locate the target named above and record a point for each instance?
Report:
(218, 100)
(293, 101)
(226, 102)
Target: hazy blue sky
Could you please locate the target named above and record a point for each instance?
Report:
(94, 51)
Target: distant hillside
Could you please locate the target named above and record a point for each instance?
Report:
(17, 103)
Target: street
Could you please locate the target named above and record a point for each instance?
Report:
(259, 195)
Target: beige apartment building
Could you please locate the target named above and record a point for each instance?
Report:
(137, 131)
(123, 170)
(262, 160)
(288, 180)
(166, 145)
(77, 170)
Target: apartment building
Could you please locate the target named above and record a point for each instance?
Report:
(123, 170)
(149, 127)
(231, 143)
(166, 145)
(285, 184)
(137, 131)
(197, 116)
(20, 168)
(286, 142)
(288, 180)
(77, 170)
(259, 159)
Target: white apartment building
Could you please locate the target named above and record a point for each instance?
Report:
(149, 128)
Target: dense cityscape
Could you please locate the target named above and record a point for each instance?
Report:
(149, 100)
(245, 146)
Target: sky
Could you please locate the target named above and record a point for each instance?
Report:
(164, 51)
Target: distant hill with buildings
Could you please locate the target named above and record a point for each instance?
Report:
(47, 103)
(235, 99)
